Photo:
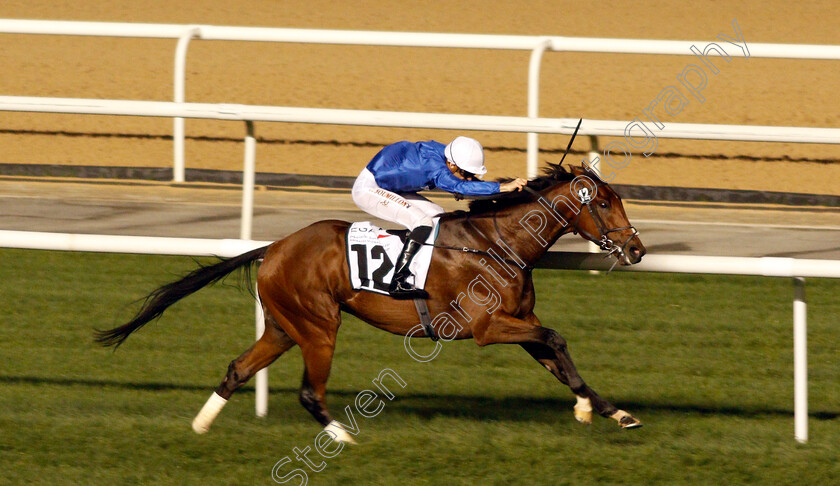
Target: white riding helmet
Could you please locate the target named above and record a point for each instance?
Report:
(467, 154)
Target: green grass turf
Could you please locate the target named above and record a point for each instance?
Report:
(704, 361)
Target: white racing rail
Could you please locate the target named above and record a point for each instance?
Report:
(537, 45)
(252, 113)
(399, 39)
(794, 268)
(333, 116)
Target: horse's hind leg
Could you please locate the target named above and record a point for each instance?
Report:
(317, 357)
(268, 348)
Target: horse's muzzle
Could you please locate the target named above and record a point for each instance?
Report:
(635, 254)
(631, 252)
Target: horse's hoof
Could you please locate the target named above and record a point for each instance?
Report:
(583, 410)
(626, 421)
(584, 417)
(338, 433)
(630, 422)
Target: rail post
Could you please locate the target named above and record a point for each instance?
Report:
(248, 177)
(261, 378)
(800, 361)
(534, 103)
(593, 158)
(245, 232)
(592, 155)
(178, 167)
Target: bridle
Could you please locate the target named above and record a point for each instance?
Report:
(603, 240)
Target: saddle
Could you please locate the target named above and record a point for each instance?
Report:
(373, 251)
(371, 254)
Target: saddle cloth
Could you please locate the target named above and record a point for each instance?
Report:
(372, 253)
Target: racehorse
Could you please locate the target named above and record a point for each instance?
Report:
(499, 239)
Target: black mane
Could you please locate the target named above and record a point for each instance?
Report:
(553, 174)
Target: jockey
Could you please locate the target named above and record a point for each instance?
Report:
(387, 188)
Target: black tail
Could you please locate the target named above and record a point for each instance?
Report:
(159, 300)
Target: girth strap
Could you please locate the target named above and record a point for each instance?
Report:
(425, 318)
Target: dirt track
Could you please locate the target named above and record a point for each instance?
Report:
(746, 91)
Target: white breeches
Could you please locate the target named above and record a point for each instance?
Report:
(408, 209)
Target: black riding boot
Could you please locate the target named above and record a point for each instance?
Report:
(400, 288)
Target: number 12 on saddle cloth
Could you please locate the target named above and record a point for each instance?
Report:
(373, 251)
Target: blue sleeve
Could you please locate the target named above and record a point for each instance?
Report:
(448, 182)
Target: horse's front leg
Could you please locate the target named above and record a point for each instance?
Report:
(550, 349)
(587, 398)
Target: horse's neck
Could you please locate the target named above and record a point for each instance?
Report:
(508, 227)
(523, 220)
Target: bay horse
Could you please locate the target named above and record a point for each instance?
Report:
(497, 242)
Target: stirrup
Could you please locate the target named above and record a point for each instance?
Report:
(400, 289)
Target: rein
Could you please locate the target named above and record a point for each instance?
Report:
(604, 242)
(474, 251)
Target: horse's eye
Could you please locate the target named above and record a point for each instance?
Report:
(603, 204)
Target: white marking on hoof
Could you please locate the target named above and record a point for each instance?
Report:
(338, 433)
(583, 410)
(208, 413)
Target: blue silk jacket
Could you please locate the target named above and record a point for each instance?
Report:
(412, 167)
